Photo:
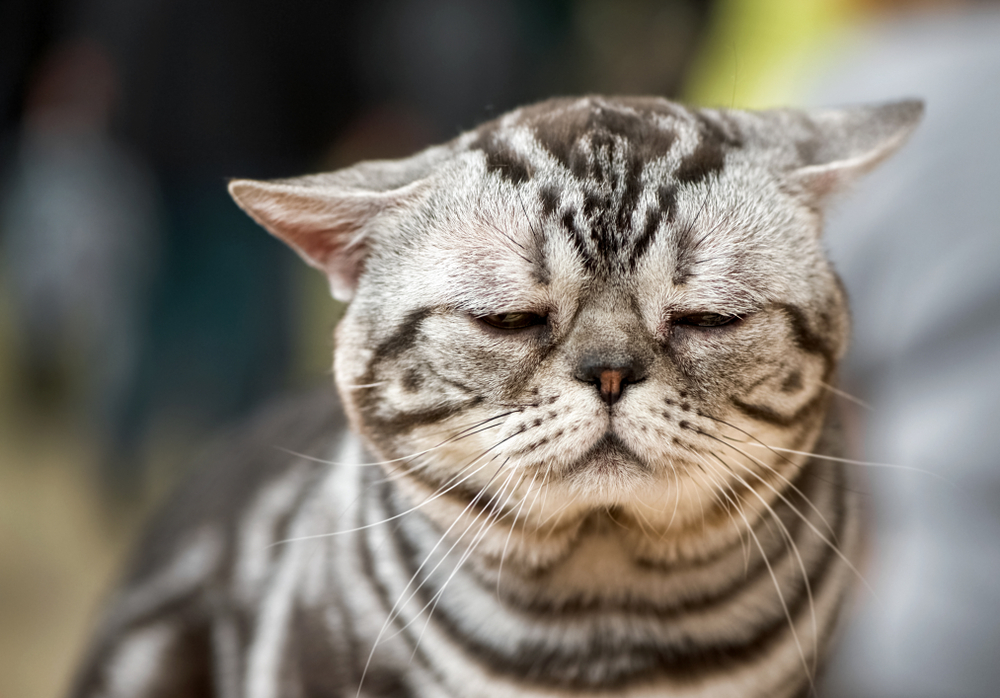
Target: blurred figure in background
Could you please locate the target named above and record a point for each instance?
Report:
(79, 218)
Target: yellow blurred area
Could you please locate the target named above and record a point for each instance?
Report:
(758, 51)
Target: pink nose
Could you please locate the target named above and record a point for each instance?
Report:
(610, 375)
(611, 385)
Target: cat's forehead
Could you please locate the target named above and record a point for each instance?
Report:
(617, 191)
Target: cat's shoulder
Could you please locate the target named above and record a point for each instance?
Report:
(280, 447)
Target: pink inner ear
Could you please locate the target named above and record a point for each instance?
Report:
(327, 248)
(316, 246)
(320, 225)
(820, 182)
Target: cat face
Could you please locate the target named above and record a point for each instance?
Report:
(593, 304)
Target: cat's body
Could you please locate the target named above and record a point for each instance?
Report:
(590, 345)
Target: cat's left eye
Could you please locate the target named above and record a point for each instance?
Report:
(513, 321)
(705, 319)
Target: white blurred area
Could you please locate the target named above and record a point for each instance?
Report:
(918, 247)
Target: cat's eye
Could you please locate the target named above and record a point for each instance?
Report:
(513, 321)
(705, 319)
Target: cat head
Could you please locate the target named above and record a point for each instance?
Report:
(617, 302)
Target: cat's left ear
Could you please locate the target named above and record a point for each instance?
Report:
(846, 143)
(329, 218)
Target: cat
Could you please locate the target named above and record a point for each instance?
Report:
(587, 444)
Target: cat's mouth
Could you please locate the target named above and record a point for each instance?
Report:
(608, 457)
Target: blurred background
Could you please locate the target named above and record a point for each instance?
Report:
(141, 311)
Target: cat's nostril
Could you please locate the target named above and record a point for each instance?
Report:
(609, 378)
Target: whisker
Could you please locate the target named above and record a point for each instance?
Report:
(460, 435)
(790, 545)
(777, 586)
(492, 517)
(847, 396)
(534, 233)
(361, 386)
(761, 463)
(867, 464)
(396, 609)
(513, 523)
(805, 519)
(731, 497)
(616, 522)
(677, 497)
(777, 450)
(513, 242)
(438, 494)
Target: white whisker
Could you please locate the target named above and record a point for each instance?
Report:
(397, 607)
(847, 396)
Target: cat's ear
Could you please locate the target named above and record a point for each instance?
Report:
(846, 143)
(328, 218)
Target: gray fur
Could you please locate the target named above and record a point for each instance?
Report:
(612, 496)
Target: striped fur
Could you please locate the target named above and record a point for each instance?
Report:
(624, 491)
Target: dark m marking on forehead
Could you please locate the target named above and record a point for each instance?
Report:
(573, 135)
(605, 146)
(606, 149)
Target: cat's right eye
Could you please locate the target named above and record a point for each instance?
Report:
(706, 319)
(513, 321)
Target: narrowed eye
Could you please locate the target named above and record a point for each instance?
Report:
(705, 319)
(513, 321)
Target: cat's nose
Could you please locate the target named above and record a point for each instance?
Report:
(609, 377)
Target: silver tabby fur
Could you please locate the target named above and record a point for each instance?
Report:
(525, 531)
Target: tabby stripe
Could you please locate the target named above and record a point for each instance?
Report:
(403, 338)
(763, 413)
(806, 339)
(663, 212)
(501, 158)
(370, 400)
(708, 157)
(812, 343)
(541, 662)
(451, 487)
(403, 422)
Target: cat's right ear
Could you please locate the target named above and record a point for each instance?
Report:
(846, 143)
(328, 218)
